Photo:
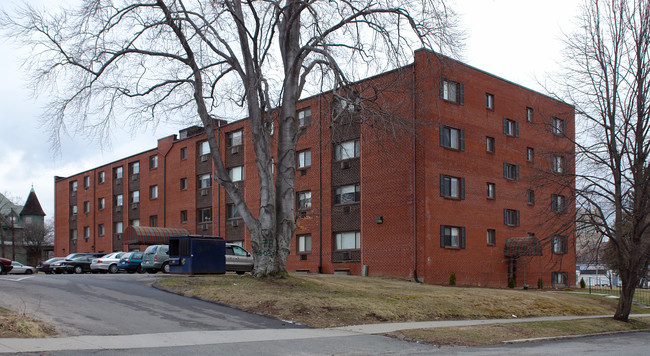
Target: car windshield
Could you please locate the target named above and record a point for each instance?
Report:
(137, 255)
(53, 260)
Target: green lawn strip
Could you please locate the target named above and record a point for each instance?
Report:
(332, 300)
(498, 333)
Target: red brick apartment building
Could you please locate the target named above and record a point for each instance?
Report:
(471, 181)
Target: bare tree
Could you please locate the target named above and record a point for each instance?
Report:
(35, 238)
(607, 80)
(156, 60)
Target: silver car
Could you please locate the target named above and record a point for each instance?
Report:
(107, 263)
(20, 268)
(238, 259)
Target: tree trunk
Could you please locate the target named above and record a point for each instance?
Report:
(627, 294)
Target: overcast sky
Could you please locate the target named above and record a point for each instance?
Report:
(518, 40)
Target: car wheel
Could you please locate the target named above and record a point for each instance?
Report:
(78, 270)
(140, 269)
(2, 269)
(165, 267)
(112, 269)
(29, 271)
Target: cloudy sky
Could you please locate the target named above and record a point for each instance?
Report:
(517, 40)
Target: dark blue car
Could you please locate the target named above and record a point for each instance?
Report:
(131, 262)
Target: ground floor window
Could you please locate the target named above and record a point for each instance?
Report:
(348, 240)
(559, 279)
(452, 236)
(304, 243)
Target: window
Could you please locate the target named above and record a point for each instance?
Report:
(557, 164)
(73, 234)
(101, 230)
(232, 212)
(529, 114)
(530, 197)
(183, 153)
(235, 138)
(559, 279)
(73, 210)
(205, 215)
(101, 203)
(118, 172)
(304, 200)
(135, 196)
(558, 203)
(183, 183)
(452, 187)
(304, 243)
(452, 137)
(153, 162)
(489, 144)
(491, 190)
(558, 126)
(304, 159)
(491, 237)
(135, 167)
(86, 181)
(510, 171)
(86, 207)
(560, 245)
(348, 194)
(86, 232)
(205, 181)
(510, 127)
(119, 227)
(452, 91)
(304, 117)
(134, 222)
(183, 216)
(489, 101)
(153, 192)
(204, 148)
(73, 186)
(347, 150)
(236, 173)
(348, 240)
(511, 217)
(101, 178)
(530, 154)
(119, 200)
(452, 236)
(153, 220)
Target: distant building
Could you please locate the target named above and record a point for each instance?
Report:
(22, 232)
(475, 181)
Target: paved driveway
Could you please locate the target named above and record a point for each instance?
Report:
(120, 304)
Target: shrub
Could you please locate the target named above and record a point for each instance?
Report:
(511, 282)
(582, 283)
(452, 279)
(540, 283)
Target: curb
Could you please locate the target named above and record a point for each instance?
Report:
(569, 337)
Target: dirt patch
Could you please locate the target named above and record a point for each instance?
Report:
(13, 325)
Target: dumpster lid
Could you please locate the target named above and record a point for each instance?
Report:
(148, 235)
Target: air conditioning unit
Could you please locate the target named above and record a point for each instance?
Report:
(346, 209)
(345, 255)
(118, 181)
(234, 222)
(204, 227)
(204, 192)
(134, 177)
(235, 150)
(303, 172)
(204, 158)
(119, 236)
(118, 209)
(345, 165)
(134, 205)
(303, 214)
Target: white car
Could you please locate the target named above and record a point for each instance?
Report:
(107, 263)
(20, 268)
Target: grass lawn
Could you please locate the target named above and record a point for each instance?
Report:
(332, 300)
(17, 325)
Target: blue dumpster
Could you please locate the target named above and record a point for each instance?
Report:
(194, 254)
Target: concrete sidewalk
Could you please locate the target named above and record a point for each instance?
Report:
(191, 338)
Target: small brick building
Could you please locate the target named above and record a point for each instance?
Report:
(447, 170)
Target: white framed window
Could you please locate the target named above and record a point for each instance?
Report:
(101, 203)
(510, 217)
(73, 210)
(452, 91)
(510, 127)
(101, 177)
(236, 173)
(452, 187)
(558, 164)
(86, 181)
(119, 200)
(153, 162)
(183, 183)
(101, 230)
(348, 240)
(558, 126)
(135, 167)
(153, 192)
(347, 194)
(489, 101)
(304, 200)
(135, 196)
(119, 172)
(304, 159)
(134, 222)
(205, 181)
(510, 171)
(304, 117)
(86, 232)
(347, 150)
(304, 243)
(235, 138)
(204, 148)
(452, 137)
(86, 207)
(489, 144)
(529, 114)
(73, 186)
(452, 236)
(491, 237)
(491, 190)
(119, 227)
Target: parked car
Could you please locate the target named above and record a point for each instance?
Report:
(131, 262)
(5, 266)
(238, 259)
(19, 268)
(75, 263)
(107, 263)
(156, 258)
(46, 266)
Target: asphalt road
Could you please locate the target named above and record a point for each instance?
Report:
(119, 304)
